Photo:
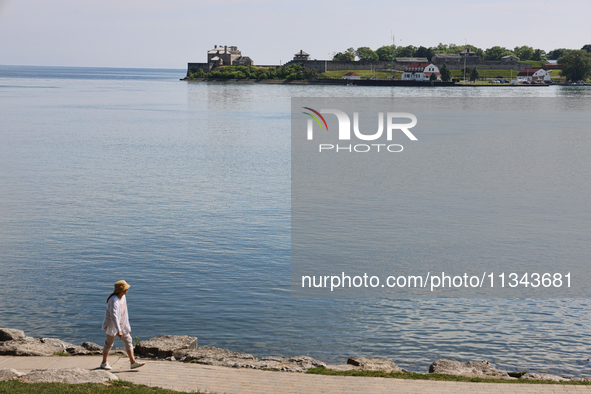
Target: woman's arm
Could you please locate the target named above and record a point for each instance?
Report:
(116, 317)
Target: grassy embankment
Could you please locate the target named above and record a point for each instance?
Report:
(484, 74)
(379, 74)
(435, 376)
(534, 63)
(114, 387)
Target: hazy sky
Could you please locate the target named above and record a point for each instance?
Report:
(168, 34)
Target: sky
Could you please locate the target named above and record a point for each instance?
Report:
(168, 34)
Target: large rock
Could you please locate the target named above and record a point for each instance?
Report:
(209, 355)
(67, 375)
(472, 369)
(543, 376)
(289, 364)
(374, 364)
(166, 345)
(93, 347)
(28, 346)
(88, 348)
(10, 334)
(9, 374)
(79, 351)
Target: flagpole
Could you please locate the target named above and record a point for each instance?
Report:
(393, 51)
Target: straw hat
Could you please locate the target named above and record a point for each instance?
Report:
(121, 286)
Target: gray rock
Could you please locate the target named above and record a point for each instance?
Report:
(33, 347)
(78, 351)
(117, 350)
(87, 348)
(289, 364)
(9, 374)
(67, 375)
(93, 347)
(472, 369)
(166, 345)
(10, 334)
(543, 376)
(209, 355)
(374, 364)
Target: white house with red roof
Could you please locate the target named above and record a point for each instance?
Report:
(420, 72)
(534, 74)
(351, 76)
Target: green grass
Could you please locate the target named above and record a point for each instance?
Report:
(485, 73)
(434, 376)
(63, 354)
(455, 73)
(534, 63)
(114, 387)
(379, 74)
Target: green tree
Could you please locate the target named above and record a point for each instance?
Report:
(441, 48)
(494, 53)
(445, 73)
(424, 52)
(408, 51)
(539, 54)
(474, 75)
(366, 54)
(199, 73)
(576, 65)
(556, 53)
(471, 48)
(310, 73)
(433, 77)
(347, 56)
(524, 52)
(587, 48)
(385, 53)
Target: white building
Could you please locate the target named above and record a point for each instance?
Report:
(534, 74)
(420, 72)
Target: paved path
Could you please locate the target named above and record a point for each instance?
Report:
(193, 377)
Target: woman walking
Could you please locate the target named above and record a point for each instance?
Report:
(116, 323)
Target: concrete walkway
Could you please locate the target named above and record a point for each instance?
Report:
(194, 377)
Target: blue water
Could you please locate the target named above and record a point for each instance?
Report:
(183, 190)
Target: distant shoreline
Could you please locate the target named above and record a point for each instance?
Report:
(349, 82)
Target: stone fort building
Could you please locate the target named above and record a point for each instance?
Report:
(222, 56)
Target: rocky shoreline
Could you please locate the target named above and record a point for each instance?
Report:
(184, 348)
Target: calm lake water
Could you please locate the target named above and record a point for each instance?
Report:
(183, 189)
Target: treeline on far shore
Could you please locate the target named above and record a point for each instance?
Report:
(292, 72)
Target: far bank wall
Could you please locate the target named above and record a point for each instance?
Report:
(329, 65)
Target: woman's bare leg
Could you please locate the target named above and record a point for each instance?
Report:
(130, 355)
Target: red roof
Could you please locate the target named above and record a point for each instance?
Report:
(415, 66)
(351, 75)
(528, 72)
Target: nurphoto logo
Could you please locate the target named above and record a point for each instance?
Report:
(344, 130)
